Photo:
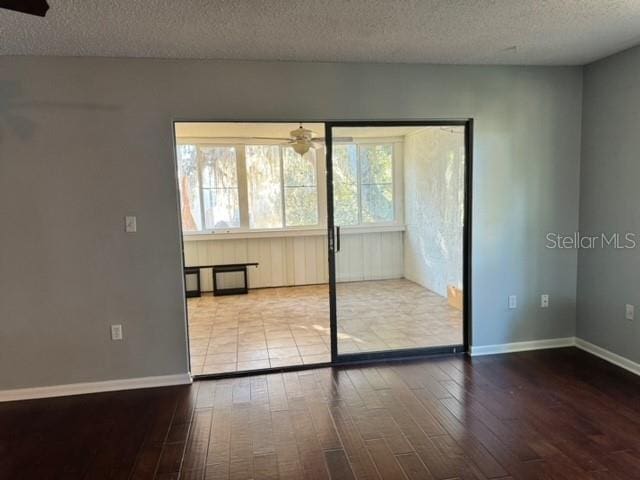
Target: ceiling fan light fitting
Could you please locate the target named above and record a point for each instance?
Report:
(301, 147)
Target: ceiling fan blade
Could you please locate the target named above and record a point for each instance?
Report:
(276, 139)
(32, 7)
(284, 139)
(335, 139)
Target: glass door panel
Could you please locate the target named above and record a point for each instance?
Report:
(398, 237)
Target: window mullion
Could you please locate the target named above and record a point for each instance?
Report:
(396, 191)
(359, 183)
(199, 161)
(321, 185)
(243, 187)
(282, 196)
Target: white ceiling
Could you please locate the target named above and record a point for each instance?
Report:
(380, 132)
(241, 129)
(535, 32)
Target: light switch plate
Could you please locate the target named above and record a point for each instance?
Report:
(116, 332)
(544, 300)
(629, 312)
(513, 301)
(130, 224)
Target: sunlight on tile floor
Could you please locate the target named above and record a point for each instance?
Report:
(394, 314)
(270, 327)
(276, 327)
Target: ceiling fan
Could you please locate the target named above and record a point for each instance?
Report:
(31, 7)
(301, 139)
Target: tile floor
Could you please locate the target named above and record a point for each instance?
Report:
(394, 314)
(275, 327)
(268, 327)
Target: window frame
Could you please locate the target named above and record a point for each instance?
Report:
(200, 160)
(317, 160)
(201, 188)
(283, 213)
(397, 181)
(247, 226)
(178, 144)
(244, 231)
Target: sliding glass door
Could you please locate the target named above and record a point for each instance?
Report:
(257, 217)
(398, 237)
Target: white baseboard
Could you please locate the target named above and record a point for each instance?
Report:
(522, 346)
(94, 387)
(609, 356)
(185, 378)
(603, 353)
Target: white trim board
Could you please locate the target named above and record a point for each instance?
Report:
(588, 347)
(290, 232)
(522, 346)
(609, 356)
(94, 387)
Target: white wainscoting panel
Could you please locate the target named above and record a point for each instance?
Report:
(370, 256)
(301, 260)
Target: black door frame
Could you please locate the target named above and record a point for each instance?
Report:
(336, 357)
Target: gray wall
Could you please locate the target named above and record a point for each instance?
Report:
(434, 208)
(84, 142)
(610, 202)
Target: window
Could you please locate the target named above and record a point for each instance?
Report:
(208, 179)
(345, 185)
(281, 187)
(264, 186)
(220, 187)
(188, 181)
(300, 188)
(363, 183)
(376, 183)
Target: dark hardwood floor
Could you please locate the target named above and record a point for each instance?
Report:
(554, 414)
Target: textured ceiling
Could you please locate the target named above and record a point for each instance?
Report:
(535, 32)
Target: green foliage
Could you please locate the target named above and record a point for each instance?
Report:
(263, 182)
(345, 184)
(300, 188)
(370, 166)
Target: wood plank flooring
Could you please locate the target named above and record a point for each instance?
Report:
(554, 414)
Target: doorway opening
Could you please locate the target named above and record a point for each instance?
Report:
(308, 244)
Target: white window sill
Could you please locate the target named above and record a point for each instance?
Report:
(281, 233)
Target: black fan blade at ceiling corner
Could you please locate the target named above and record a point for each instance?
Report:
(32, 7)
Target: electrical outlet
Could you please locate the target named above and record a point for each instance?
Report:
(513, 301)
(630, 312)
(544, 300)
(130, 224)
(116, 332)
